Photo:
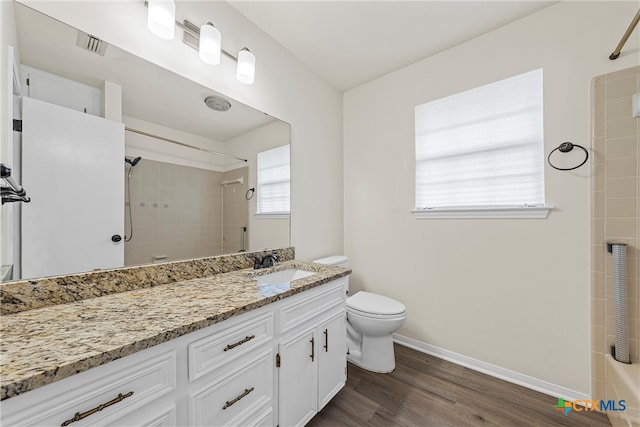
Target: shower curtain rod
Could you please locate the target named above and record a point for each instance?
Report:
(625, 37)
(173, 141)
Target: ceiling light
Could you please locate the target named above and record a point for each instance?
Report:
(161, 18)
(210, 44)
(217, 103)
(246, 71)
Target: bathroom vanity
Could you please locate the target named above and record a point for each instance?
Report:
(225, 349)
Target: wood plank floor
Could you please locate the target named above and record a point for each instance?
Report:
(427, 391)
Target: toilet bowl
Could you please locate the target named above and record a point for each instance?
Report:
(371, 321)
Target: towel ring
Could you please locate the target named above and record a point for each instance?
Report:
(565, 147)
(249, 194)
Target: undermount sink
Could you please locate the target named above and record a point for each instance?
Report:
(282, 277)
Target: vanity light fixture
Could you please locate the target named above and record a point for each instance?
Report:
(161, 18)
(246, 61)
(210, 44)
(207, 39)
(246, 70)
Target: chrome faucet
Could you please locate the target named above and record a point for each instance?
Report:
(268, 260)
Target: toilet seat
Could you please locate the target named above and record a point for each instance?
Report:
(376, 316)
(375, 306)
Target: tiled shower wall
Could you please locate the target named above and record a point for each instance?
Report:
(176, 210)
(615, 205)
(235, 211)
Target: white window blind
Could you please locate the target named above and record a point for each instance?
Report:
(274, 181)
(482, 147)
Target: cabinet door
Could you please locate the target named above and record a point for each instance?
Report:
(332, 369)
(297, 378)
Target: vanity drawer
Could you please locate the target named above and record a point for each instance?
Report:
(120, 389)
(224, 345)
(236, 398)
(307, 305)
(262, 419)
(154, 415)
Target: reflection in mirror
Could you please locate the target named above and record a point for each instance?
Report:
(127, 163)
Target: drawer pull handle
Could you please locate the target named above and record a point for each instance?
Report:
(326, 340)
(242, 341)
(313, 349)
(79, 416)
(231, 402)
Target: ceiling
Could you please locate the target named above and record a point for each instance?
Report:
(346, 42)
(349, 43)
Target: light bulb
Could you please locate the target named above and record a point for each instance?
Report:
(210, 44)
(246, 70)
(161, 18)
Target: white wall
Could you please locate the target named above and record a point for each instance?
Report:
(284, 88)
(264, 232)
(512, 293)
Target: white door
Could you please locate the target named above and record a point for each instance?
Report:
(297, 379)
(73, 170)
(332, 368)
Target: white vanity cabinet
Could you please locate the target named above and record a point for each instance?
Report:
(312, 353)
(231, 372)
(127, 386)
(224, 374)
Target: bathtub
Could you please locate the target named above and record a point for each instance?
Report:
(623, 383)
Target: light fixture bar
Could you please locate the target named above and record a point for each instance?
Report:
(191, 37)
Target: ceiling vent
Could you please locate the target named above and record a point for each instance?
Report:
(91, 43)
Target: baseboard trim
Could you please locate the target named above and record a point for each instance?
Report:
(492, 370)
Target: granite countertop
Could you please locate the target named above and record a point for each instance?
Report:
(47, 344)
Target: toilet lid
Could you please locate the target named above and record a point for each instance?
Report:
(368, 302)
(332, 260)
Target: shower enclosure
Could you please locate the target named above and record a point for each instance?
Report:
(615, 205)
(182, 212)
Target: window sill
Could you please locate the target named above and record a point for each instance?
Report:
(278, 215)
(532, 212)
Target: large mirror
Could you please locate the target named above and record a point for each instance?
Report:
(112, 142)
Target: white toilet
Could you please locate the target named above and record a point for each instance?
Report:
(371, 320)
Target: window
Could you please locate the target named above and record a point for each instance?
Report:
(274, 181)
(483, 148)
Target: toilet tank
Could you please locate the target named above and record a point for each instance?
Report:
(337, 260)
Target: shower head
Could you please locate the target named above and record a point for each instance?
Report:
(132, 162)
